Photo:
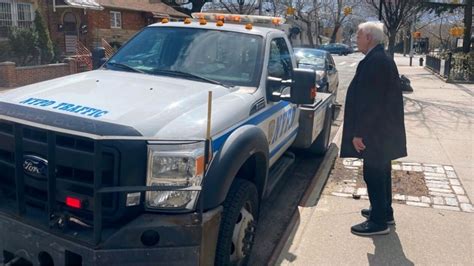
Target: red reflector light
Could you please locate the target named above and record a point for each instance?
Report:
(73, 202)
(313, 92)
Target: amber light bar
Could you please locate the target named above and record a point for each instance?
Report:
(242, 19)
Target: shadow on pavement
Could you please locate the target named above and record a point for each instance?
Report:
(388, 251)
(277, 211)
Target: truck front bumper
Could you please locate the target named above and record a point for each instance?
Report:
(182, 241)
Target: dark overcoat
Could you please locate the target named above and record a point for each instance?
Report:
(374, 110)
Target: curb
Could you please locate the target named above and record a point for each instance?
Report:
(314, 189)
(439, 76)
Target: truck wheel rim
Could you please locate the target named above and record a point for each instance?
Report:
(243, 235)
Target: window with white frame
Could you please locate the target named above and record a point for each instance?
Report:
(15, 14)
(115, 20)
(25, 15)
(6, 19)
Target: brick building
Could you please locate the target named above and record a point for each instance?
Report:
(87, 21)
(90, 21)
(72, 23)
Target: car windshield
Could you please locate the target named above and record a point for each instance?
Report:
(223, 57)
(311, 57)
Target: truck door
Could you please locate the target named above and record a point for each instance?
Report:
(282, 124)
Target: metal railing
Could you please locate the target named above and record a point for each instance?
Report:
(433, 63)
(457, 67)
(109, 50)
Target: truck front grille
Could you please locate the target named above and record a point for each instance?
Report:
(74, 162)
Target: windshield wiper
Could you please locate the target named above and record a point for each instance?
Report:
(192, 76)
(125, 66)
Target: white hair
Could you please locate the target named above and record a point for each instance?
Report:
(374, 29)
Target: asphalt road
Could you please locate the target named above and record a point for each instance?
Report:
(346, 66)
(276, 211)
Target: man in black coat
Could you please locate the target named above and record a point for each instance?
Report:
(374, 128)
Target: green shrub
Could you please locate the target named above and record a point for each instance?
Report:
(45, 45)
(5, 52)
(57, 52)
(23, 44)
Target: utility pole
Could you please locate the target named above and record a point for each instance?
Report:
(467, 26)
(260, 7)
(412, 29)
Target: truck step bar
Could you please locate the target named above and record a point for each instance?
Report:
(278, 169)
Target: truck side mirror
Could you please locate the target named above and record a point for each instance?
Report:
(302, 88)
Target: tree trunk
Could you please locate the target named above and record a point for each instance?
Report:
(405, 43)
(309, 33)
(334, 33)
(468, 26)
(392, 34)
(316, 26)
(197, 6)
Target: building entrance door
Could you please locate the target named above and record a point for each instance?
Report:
(70, 32)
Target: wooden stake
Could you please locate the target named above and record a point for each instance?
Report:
(209, 110)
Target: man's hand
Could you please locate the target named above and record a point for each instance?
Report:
(358, 144)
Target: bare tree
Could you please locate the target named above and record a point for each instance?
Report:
(395, 15)
(333, 11)
(436, 27)
(239, 6)
(307, 11)
(440, 7)
(180, 5)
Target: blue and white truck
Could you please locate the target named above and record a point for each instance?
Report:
(164, 154)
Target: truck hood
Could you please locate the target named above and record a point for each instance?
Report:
(156, 106)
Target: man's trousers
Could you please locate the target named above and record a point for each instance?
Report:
(378, 177)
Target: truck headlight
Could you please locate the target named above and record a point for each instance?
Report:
(174, 165)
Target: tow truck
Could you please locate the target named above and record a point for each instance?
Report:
(164, 154)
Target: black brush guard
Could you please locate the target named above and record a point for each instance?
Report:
(99, 190)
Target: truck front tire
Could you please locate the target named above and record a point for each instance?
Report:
(238, 224)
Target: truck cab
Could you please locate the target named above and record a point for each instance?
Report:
(161, 156)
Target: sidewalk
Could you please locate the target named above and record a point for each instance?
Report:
(2, 89)
(437, 229)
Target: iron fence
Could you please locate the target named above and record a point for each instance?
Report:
(455, 68)
(433, 63)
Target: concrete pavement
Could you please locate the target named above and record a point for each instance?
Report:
(439, 118)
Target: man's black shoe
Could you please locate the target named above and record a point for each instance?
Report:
(369, 228)
(366, 213)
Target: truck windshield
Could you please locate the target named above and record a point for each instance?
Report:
(225, 57)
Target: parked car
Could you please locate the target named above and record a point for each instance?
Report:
(355, 48)
(337, 48)
(323, 64)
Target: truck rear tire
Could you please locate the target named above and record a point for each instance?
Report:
(238, 224)
(321, 143)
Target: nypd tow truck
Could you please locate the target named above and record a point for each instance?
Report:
(163, 155)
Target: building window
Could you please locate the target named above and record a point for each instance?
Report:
(115, 20)
(13, 14)
(6, 20)
(25, 15)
